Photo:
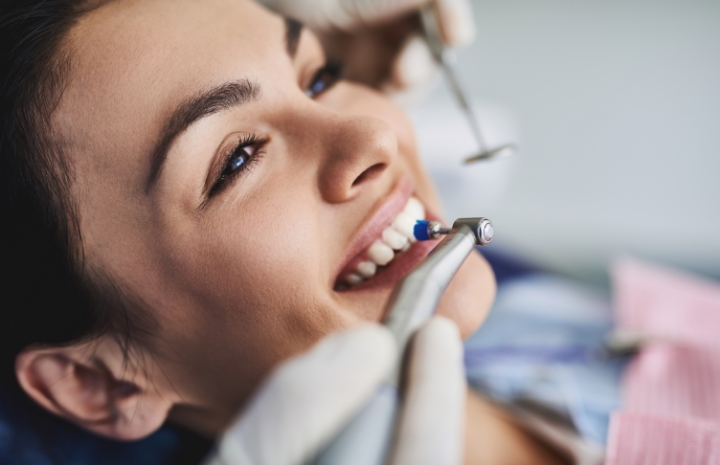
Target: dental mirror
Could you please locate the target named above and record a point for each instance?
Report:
(445, 58)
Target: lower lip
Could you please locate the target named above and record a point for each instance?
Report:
(399, 267)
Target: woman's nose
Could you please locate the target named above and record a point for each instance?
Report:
(357, 152)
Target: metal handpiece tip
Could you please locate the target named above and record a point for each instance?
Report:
(499, 152)
(482, 229)
(487, 232)
(429, 230)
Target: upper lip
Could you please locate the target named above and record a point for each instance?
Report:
(377, 220)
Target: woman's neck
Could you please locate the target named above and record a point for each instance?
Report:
(491, 438)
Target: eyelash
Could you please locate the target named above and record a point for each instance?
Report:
(323, 80)
(225, 176)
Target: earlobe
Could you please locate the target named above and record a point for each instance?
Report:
(84, 390)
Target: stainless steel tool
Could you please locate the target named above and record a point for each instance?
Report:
(444, 57)
(366, 439)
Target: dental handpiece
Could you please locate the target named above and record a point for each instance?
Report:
(366, 439)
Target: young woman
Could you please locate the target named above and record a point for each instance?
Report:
(193, 196)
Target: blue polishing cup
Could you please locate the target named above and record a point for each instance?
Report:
(421, 230)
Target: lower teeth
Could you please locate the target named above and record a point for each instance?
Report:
(396, 239)
(367, 270)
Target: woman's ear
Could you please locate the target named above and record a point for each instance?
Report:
(92, 386)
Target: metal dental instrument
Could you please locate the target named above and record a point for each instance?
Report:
(444, 57)
(366, 440)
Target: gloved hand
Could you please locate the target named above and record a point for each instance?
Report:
(379, 38)
(311, 397)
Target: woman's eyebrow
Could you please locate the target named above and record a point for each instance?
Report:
(208, 102)
(293, 29)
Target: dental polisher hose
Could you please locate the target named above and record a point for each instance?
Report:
(366, 439)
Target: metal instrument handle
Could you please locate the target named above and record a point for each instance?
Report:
(445, 58)
(366, 440)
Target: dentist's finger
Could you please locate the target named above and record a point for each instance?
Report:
(345, 15)
(414, 64)
(309, 398)
(455, 17)
(366, 12)
(456, 22)
(431, 425)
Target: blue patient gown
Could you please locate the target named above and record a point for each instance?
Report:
(541, 342)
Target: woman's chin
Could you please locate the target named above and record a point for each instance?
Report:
(471, 293)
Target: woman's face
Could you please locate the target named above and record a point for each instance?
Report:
(223, 180)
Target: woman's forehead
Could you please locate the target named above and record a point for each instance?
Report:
(134, 61)
(130, 39)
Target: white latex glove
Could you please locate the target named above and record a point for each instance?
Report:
(413, 64)
(311, 397)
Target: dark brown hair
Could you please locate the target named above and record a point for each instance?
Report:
(47, 296)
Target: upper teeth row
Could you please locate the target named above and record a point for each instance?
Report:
(396, 237)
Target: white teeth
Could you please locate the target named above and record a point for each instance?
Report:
(367, 269)
(415, 209)
(405, 224)
(398, 237)
(381, 253)
(353, 279)
(394, 239)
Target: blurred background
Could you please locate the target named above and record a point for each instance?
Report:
(616, 107)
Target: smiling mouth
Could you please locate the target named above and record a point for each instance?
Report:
(396, 240)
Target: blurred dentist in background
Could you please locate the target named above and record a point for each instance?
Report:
(379, 40)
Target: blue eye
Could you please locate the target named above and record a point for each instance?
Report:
(325, 78)
(236, 162)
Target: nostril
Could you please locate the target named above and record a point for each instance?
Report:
(370, 173)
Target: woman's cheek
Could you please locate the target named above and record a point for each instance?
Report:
(468, 299)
